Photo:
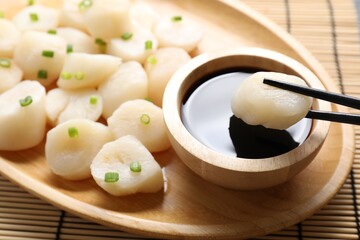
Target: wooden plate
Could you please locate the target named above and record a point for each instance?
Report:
(191, 207)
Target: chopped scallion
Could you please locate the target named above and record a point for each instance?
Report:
(5, 63)
(26, 101)
(34, 17)
(148, 99)
(48, 53)
(31, 2)
(2, 14)
(176, 18)
(100, 42)
(111, 177)
(52, 31)
(93, 100)
(85, 4)
(69, 48)
(79, 75)
(145, 119)
(73, 132)
(148, 45)
(42, 74)
(126, 36)
(152, 59)
(135, 167)
(66, 75)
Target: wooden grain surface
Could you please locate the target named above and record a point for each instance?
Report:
(188, 190)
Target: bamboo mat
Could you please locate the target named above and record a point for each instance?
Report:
(328, 28)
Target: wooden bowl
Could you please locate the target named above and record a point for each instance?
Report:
(233, 172)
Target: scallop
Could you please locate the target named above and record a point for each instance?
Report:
(41, 56)
(71, 147)
(63, 105)
(78, 41)
(142, 119)
(160, 67)
(22, 116)
(9, 37)
(133, 46)
(71, 15)
(178, 31)
(259, 104)
(108, 19)
(83, 70)
(125, 166)
(37, 17)
(129, 82)
(10, 74)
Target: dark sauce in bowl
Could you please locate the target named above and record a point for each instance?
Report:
(206, 114)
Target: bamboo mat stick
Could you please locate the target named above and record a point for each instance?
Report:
(21, 234)
(28, 221)
(330, 218)
(17, 199)
(31, 228)
(40, 212)
(26, 206)
(29, 216)
(326, 223)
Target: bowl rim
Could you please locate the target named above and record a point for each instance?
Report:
(179, 135)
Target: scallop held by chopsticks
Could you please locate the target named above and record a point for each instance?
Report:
(259, 104)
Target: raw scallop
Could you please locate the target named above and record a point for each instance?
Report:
(259, 104)
(142, 119)
(131, 165)
(71, 146)
(22, 116)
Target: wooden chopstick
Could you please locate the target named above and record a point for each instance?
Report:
(341, 99)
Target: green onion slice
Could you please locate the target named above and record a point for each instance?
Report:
(111, 177)
(126, 36)
(135, 167)
(145, 119)
(26, 101)
(79, 75)
(48, 53)
(42, 74)
(31, 2)
(66, 75)
(34, 17)
(176, 18)
(148, 99)
(69, 48)
(148, 45)
(100, 42)
(73, 132)
(5, 63)
(93, 100)
(52, 31)
(85, 4)
(152, 59)
(2, 14)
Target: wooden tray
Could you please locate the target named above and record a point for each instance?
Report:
(191, 207)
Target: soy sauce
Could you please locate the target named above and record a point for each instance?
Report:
(207, 115)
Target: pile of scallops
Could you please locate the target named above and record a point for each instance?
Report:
(87, 77)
